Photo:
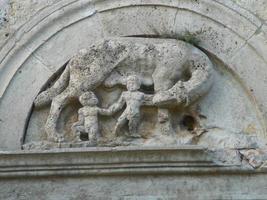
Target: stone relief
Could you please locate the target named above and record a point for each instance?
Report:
(159, 74)
(221, 107)
(88, 117)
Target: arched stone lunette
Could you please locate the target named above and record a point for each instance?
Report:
(41, 46)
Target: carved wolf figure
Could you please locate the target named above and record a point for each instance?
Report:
(181, 73)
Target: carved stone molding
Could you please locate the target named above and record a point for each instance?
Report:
(116, 161)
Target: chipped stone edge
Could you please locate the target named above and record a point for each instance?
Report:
(184, 160)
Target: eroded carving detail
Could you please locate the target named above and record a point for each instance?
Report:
(178, 72)
(88, 117)
(133, 99)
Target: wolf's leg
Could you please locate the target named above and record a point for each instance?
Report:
(59, 86)
(58, 103)
(162, 84)
(77, 129)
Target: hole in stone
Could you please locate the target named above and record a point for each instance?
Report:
(148, 89)
(84, 137)
(189, 122)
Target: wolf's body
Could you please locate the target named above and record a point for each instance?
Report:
(167, 62)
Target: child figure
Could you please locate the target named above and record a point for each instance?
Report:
(88, 117)
(133, 99)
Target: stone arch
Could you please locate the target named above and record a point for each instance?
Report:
(37, 50)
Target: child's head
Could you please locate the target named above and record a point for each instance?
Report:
(133, 83)
(88, 99)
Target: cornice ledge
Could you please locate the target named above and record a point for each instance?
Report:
(184, 160)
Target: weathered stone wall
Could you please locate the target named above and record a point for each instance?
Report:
(14, 13)
(170, 187)
(235, 41)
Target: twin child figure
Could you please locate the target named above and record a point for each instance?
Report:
(88, 114)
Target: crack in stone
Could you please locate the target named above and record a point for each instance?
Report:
(246, 42)
(39, 59)
(174, 21)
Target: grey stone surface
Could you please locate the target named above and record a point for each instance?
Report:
(39, 38)
(178, 73)
(3, 13)
(257, 7)
(125, 173)
(146, 187)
